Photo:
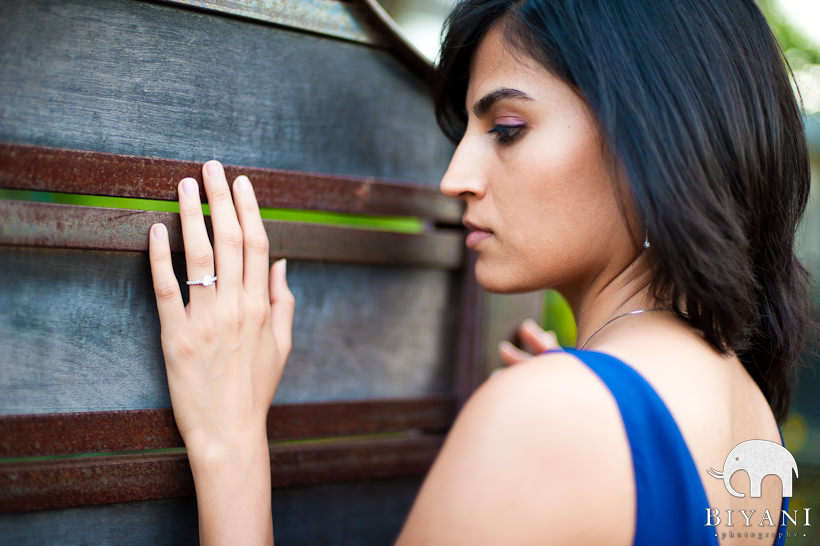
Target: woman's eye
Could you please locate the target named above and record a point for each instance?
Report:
(505, 134)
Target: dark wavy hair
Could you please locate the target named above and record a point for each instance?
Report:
(694, 99)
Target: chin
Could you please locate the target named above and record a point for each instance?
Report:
(499, 281)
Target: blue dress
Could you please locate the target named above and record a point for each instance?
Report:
(671, 500)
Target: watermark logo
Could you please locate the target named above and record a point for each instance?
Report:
(758, 458)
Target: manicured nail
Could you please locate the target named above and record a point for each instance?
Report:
(242, 183)
(212, 167)
(189, 186)
(506, 345)
(158, 231)
(284, 267)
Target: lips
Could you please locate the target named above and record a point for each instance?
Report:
(477, 234)
(473, 227)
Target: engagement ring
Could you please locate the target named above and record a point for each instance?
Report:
(207, 280)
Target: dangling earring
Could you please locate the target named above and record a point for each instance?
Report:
(646, 239)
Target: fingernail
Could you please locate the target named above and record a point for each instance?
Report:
(189, 186)
(284, 267)
(212, 167)
(530, 323)
(242, 183)
(496, 371)
(505, 345)
(158, 231)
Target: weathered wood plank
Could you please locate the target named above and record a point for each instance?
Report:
(370, 512)
(155, 80)
(80, 332)
(96, 432)
(150, 523)
(40, 168)
(329, 17)
(97, 228)
(343, 514)
(62, 483)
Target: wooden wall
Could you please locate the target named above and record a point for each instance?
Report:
(323, 108)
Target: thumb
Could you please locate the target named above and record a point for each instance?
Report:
(282, 304)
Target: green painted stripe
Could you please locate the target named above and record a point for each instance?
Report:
(379, 223)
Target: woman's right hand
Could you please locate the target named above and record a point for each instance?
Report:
(533, 338)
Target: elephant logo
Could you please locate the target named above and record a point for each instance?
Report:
(758, 458)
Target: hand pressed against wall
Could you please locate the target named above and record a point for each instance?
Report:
(226, 351)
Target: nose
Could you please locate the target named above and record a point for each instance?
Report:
(464, 175)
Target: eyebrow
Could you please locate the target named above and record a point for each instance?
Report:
(483, 105)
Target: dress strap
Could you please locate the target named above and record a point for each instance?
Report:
(671, 501)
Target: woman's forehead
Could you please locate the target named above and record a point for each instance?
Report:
(496, 63)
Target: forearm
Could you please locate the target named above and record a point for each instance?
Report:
(224, 353)
(233, 493)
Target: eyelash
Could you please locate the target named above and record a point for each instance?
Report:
(505, 134)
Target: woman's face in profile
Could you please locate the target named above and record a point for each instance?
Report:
(533, 171)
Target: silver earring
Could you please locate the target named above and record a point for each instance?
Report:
(646, 240)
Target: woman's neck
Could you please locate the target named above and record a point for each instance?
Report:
(610, 295)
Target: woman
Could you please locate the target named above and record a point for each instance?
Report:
(646, 161)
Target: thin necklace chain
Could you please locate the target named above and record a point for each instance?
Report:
(622, 315)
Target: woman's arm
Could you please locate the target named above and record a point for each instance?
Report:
(538, 455)
(224, 353)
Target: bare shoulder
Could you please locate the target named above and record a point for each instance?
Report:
(538, 453)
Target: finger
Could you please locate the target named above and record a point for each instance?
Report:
(534, 338)
(510, 354)
(256, 240)
(227, 233)
(282, 306)
(166, 288)
(199, 256)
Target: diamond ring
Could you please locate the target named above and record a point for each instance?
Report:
(207, 280)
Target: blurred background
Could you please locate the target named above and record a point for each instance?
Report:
(796, 23)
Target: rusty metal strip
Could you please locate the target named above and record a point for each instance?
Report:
(39, 168)
(106, 431)
(89, 432)
(103, 480)
(312, 420)
(95, 228)
(353, 460)
(123, 478)
(327, 17)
